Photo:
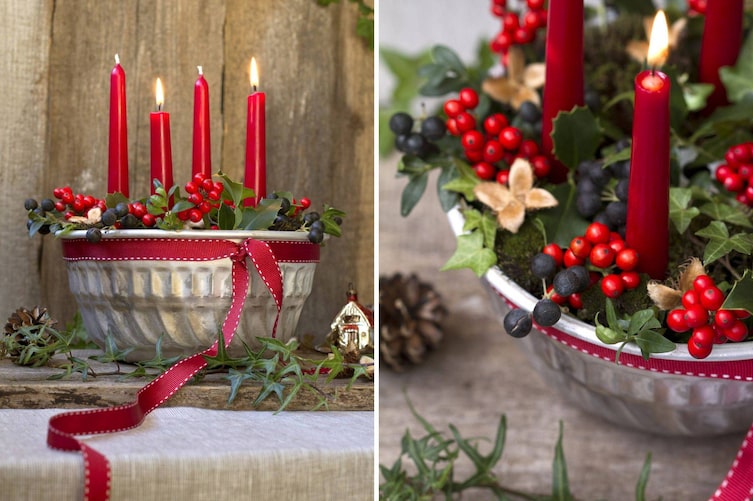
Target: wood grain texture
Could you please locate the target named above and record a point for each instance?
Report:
(318, 76)
(24, 70)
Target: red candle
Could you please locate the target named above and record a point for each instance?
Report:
(256, 141)
(720, 46)
(202, 148)
(117, 169)
(564, 70)
(162, 156)
(648, 190)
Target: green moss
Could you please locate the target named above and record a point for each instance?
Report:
(514, 253)
(594, 302)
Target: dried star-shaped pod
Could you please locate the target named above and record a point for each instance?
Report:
(669, 297)
(519, 84)
(510, 204)
(638, 49)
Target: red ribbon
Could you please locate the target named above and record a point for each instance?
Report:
(63, 428)
(738, 484)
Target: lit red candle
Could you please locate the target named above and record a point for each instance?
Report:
(256, 141)
(202, 148)
(648, 190)
(720, 46)
(117, 167)
(162, 156)
(564, 70)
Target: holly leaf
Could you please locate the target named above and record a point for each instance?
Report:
(226, 217)
(738, 79)
(113, 199)
(261, 217)
(680, 213)
(472, 254)
(485, 222)
(237, 191)
(739, 296)
(576, 136)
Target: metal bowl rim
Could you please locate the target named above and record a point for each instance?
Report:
(195, 234)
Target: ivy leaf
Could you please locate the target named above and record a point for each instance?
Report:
(465, 182)
(560, 483)
(650, 341)
(720, 243)
(484, 222)
(739, 296)
(413, 192)
(576, 136)
(472, 254)
(680, 213)
(738, 80)
(696, 95)
(724, 212)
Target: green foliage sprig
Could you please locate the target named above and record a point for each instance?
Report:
(433, 458)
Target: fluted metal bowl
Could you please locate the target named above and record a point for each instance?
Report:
(185, 302)
(583, 371)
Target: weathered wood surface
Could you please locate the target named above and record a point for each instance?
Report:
(318, 76)
(31, 388)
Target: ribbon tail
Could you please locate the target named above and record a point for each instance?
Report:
(266, 265)
(738, 485)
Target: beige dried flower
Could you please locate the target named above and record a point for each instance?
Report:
(669, 297)
(520, 82)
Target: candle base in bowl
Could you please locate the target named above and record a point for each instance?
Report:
(126, 291)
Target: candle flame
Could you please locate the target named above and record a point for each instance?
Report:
(658, 44)
(160, 93)
(117, 59)
(254, 74)
(201, 70)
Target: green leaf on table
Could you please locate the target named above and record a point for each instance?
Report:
(560, 482)
(464, 182)
(413, 192)
(485, 222)
(680, 212)
(472, 254)
(724, 212)
(738, 79)
(576, 136)
(739, 296)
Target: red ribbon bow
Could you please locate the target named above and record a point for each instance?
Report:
(65, 427)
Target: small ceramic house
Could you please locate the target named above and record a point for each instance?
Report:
(353, 327)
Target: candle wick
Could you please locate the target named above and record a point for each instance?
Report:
(159, 107)
(653, 70)
(253, 88)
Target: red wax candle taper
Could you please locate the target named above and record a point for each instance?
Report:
(117, 167)
(256, 141)
(162, 156)
(647, 228)
(202, 148)
(720, 46)
(564, 70)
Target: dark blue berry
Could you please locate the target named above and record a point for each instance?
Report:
(598, 174)
(416, 144)
(315, 236)
(109, 217)
(621, 170)
(310, 217)
(543, 266)
(317, 225)
(401, 123)
(94, 235)
(44, 229)
(121, 209)
(47, 205)
(602, 217)
(433, 128)
(129, 221)
(617, 212)
(566, 282)
(529, 112)
(30, 204)
(546, 313)
(621, 190)
(518, 323)
(592, 100)
(401, 143)
(338, 220)
(588, 204)
(582, 276)
(39, 212)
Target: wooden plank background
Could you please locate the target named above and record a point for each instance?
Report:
(318, 76)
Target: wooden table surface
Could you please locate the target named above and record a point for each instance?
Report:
(479, 373)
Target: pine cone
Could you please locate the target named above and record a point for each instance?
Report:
(410, 315)
(25, 329)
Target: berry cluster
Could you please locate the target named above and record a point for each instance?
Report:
(287, 218)
(421, 142)
(204, 194)
(492, 147)
(702, 313)
(697, 7)
(598, 184)
(68, 205)
(736, 174)
(517, 29)
(600, 250)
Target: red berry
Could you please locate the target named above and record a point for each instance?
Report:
(531, 20)
(493, 151)
(305, 202)
(734, 183)
(741, 153)
(207, 184)
(139, 210)
(701, 341)
(218, 186)
(498, 10)
(474, 156)
(617, 245)
(67, 197)
(191, 187)
(485, 170)
(528, 148)
(570, 259)
(738, 332)
(472, 140)
(503, 176)
(183, 215)
(465, 121)
(535, 4)
(741, 314)
(601, 256)
(575, 300)
(631, 279)
(453, 108)
(676, 320)
(195, 198)
(502, 42)
(57, 193)
(612, 286)
(541, 166)
(468, 98)
(627, 259)
(597, 233)
(89, 201)
(199, 178)
(59, 206)
(722, 172)
(691, 298)
(195, 215)
(696, 316)
(555, 251)
(494, 124)
(524, 35)
(703, 282)
(149, 220)
(205, 207)
(510, 138)
(78, 205)
(725, 318)
(214, 195)
(510, 22)
(580, 247)
(712, 298)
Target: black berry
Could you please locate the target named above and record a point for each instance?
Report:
(582, 276)
(121, 209)
(129, 221)
(529, 112)
(310, 217)
(338, 220)
(592, 100)
(94, 235)
(543, 266)
(588, 204)
(316, 236)
(317, 225)
(546, 313)
(433, 128)
(568, 282)
(621, 190)
(44, 229)
(617, 212)
(416, 144)
(401, 123)
(518, 323)
(47, 205)
(109, 217)
(401, 143)
(30, 204)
